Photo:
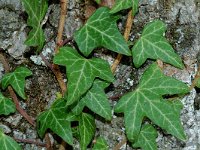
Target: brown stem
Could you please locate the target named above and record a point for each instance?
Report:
(58, 74)
(129, 23)
(30, 142)
(13, 95)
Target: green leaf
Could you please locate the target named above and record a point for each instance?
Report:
(96, 100)
(6, 105)
(58, 120)
(100, 144)
(198, 83)
(36, 10)
(147, 138)
(147, 101)
(86, 129)
(153, 45)
(98, 1)
(81, 72)
(7, 143)
(17, 80)
(125, 4)
(101, 30)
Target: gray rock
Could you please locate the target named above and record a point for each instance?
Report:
(12, 4)
(5, 128)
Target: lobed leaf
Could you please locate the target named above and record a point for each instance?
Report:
(7, 143)
(153, 45)
(6, 105)
(147, 138)
(81, 72)
(125, 4)
(100, 144)
(36, 10)
(198, 83)
(58, 120)
(101, 30)
(86, 130)
(17, 80)
(96, 100)
(147, 101)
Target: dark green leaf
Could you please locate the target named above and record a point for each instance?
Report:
(153, 45)
(100, 144)
(6, 105)
(147, 101)
(36, 10)
(7, 143)
(96, 100)
(147, 138)
(86, 129)
(17, 80)
(58, 120)
(101, 30)
(81, 72)
(125, 4)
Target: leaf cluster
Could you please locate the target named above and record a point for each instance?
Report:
(88, 76)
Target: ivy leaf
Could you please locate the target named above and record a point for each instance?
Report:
(7, 143)
(100, 144)
(6, 105)
(153, 45)
(96, 100)
(101, 30)
(36, 10)
(81, 72)
(147, 101)
(147, 138)
(17, 80)
(58, 120)
(198, 83)
(125, 4)
(86, 129)
(98, 1)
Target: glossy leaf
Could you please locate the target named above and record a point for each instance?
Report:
(86, 129)
(96, 100)
(100, 144)
(6, 105)
(81, 72)
(125, 4)
(101, 30)
(36, 10)
(17, 80)
(153, 45)
(58, 120)
(147, 138)
(7, 143)
(147, 101)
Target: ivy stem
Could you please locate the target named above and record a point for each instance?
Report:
(58, 74)
(128, 27)
(14, 96)
(30, 142)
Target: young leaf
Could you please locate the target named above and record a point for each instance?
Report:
(7, 143)
(81, 72)
(96, 100)
(57, 120)
(17, 80)
(101, 30)
(147, 138)
(36, 10)
(6, 105)
(86, 129)
(125, 4)
(147, 101)
(153, 45)
(100, 144)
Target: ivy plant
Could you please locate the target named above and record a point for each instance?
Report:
(88, 76)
